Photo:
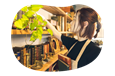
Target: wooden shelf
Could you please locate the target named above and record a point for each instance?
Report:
(19, 32)
(52, 61)
(66, 32)
(56, 11)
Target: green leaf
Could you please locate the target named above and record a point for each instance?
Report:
(35, 34)
(40, 37)
(24, 8)
(25, 23)
(39, 33)
(44, 23)
(40, 29)
(39, 18)
(15, 17)
(50, 31)
(32, 38)
(18, 24)
(29, 13)
(24, 17)
(36, 7)
(34, 24)
(29, 8)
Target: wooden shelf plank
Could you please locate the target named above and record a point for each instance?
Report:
(66, 32)
(52, 61)
(19, 32)
(56, 11)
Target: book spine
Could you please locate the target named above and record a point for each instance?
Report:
(36, 53)
(39, 52)
(30, 53)
(50, 68)
(62, 23)
(28, 58)
(48, 49)
(66, 59)
(27, 62)
(42, 49)
(45, 51)
(18, 56)
(33, 56)
(24, 55)
(59, 21)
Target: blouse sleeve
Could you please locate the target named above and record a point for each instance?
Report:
(67, 41)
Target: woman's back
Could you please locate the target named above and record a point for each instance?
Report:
(90, 53)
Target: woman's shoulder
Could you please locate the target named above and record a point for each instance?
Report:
(94, 49)
(68, 41)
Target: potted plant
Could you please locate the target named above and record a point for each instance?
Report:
(33, 20)
(29, 18)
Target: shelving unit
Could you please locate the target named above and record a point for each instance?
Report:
(56, 11)
(19, 32)
(52, 61)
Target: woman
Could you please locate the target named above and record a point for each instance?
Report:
(84, 24)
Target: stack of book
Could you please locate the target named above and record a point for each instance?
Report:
(60, 22)
(30, 53)
(20, 54)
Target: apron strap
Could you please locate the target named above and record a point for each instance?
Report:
(71, 48)
(81, 51)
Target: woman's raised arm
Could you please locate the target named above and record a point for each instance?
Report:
(56, 33)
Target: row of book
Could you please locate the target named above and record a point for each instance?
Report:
(58, 22)
(23, 57)
(30, 53)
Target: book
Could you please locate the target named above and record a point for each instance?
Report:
(65, 59)
(49, 69)
(37, 56)
(31, 51)
(62, 65)
(33, 56)
(28, 55)
(24, 55)
(39, 52)
(48, 49)
(17, 58)
(16, 49)
(62, 23)
(45, 50)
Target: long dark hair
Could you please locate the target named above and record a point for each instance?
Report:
(90, 15)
